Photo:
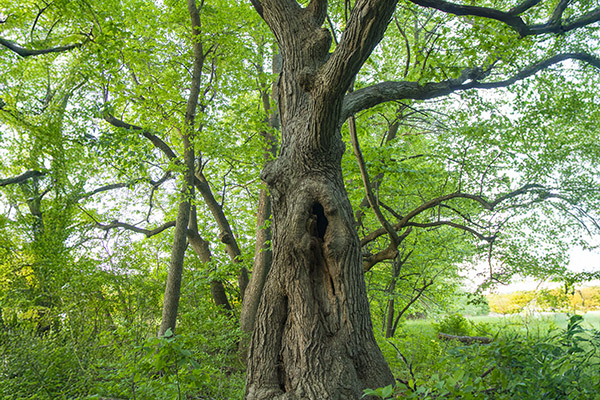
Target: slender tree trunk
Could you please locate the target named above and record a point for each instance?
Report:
(261, 266)
(200, 247)
(175, 273)
(262, 251)
(173, 286)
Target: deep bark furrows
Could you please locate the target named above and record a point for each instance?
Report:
(313, 337)
(327, 350)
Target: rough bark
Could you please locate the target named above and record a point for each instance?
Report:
(173, 285)
(313, 337)
(261, 265)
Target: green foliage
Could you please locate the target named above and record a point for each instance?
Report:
(559, 363)
(384, 393)
(45, 364)
(173, 366)
(454, 324)
(80, 360)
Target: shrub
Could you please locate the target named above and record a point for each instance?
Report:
(454, 324)
(562, 364)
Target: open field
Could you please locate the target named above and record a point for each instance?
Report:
(547, 352)
(516, 321)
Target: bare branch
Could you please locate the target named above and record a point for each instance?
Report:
(554, 25)
(453, 225)
(414, 298)
(524, 6)
(21, 178)
(367, 184)
(156, 141)
(123, 185)
(130, 227)
(23, 52)
(470, 78)
(487, 205)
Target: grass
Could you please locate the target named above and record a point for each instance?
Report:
(527, 351)
(548, 320)
(515, 322)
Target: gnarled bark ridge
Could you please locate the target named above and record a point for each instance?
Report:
(313, 337)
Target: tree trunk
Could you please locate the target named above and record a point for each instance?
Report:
(262, 249)
(175, 273)
(313, 336)
(173, 286)
(200, 247)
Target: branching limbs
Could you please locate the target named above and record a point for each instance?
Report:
(470, 78)
(365, 28)
(512, 18)
(136, 229)
(536, 192)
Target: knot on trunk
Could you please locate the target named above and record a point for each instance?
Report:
(225, 238)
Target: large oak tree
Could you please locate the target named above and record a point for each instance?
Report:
(313, 337)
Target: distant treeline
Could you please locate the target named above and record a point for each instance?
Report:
(565, 299)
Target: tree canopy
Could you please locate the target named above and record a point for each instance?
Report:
(316, 158)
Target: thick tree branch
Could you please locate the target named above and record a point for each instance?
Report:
(524, 6)
(23, 52)
(367, 23)
(470, 78)
(511, 18)
(318, 10)
(535, 68)
(21, 178)
(258, 7)
(133, 228)
(388, 254)
(226, 235)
